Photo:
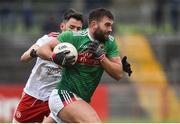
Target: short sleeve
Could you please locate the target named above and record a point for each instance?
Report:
(113, 50)
(43, 40)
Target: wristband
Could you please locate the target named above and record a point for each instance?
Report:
(33, 53)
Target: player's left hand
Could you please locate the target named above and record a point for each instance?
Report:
(62, 59)
(126, 66)
(97, 50)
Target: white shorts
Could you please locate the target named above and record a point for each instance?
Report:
(59, 100)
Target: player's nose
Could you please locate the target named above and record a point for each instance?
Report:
(110, 29)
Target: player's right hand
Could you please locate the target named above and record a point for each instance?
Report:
(63, 59)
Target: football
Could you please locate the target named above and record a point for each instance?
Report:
(66, 46)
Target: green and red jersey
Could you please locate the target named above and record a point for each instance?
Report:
(83, 77)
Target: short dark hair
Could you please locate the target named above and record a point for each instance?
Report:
(97, 14)
(71, 13)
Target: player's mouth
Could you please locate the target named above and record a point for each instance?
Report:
(106, 35)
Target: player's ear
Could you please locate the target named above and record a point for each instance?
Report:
(94, 24)
(62, 26)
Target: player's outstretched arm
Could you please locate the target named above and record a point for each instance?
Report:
(46, 50)
(29, 54)
(113, 67)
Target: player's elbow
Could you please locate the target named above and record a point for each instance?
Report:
(118, 76)
(24, 59)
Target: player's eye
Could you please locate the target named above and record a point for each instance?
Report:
(108, 24)
(79, 28)
(72, 27)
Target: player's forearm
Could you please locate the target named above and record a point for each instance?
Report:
(44, 52)
(112, 68)
(26, 57)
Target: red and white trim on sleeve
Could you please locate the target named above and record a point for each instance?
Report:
(53, 34)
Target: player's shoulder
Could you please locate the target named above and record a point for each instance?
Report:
(53, 34)
(50, 35)
(42, 39)
(74, 33)
(81, 33)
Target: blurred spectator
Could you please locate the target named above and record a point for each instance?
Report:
(160, 13)
(27, 14)
(50, 25)
(92, 4)
(174, 14)
(63, 6)
(5, 15)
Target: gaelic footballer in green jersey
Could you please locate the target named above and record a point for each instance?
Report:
(97, 51)
(83, 78)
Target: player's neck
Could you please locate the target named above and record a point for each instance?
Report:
(90, 33)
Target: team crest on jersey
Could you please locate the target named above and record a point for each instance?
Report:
(88, 59)
(18, 114)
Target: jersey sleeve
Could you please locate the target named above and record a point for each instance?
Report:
(113, 50)
(43, 40)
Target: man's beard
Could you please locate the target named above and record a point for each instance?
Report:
(100, 35)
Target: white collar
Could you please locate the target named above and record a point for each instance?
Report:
(91, 38)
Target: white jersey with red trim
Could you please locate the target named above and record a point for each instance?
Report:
(44, 76)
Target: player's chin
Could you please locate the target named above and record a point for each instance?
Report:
(106, 36)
